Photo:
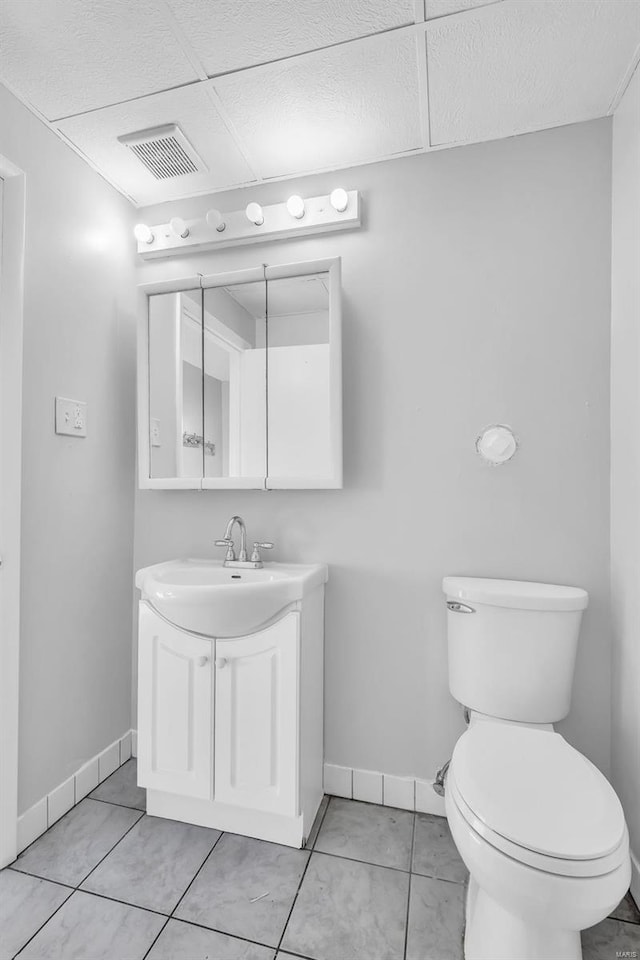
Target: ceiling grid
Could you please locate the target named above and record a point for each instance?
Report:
(183, 41)
(232, 130)
(272, 89)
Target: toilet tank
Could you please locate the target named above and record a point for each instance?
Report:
(512, 646)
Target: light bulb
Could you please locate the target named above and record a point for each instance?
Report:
(295, 206)
(215, 221)
(339, 199)
(179, 228)
(143, 233)
(254, 214)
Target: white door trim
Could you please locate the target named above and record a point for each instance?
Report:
(11, 307)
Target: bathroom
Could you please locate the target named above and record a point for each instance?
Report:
(488, 275)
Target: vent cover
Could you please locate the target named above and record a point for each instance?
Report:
(164, 151)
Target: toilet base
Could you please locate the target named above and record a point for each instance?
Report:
(492, 933)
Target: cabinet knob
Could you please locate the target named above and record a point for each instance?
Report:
(221, 662)
(203, 661)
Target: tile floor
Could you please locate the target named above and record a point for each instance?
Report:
(109, 883)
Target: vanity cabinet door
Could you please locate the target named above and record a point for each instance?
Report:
(175, 708)
(256, 725)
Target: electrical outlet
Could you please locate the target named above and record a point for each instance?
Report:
(155, 432)
(71, 417)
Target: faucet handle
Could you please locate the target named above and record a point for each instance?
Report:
(257, 547)
(228, 543)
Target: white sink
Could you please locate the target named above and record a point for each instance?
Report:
(205, 597)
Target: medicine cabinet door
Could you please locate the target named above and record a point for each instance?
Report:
(234, 384)
(304, 375)
(174, 425)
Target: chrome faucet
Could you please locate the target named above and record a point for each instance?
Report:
(228, 540)
(242, 560)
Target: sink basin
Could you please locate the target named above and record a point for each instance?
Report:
(204, 596)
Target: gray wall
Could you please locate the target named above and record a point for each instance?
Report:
(477, 291)
(625, 463)
(77, 495)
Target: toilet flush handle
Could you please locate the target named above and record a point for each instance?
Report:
(456, 607)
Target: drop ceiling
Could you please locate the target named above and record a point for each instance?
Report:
(271, 89)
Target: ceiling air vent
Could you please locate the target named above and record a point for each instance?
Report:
(164, 151)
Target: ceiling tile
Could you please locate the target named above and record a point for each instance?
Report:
(442, 8)
(332, 108)
(227, 34)
(526, 64)
(192, 108)
(68, 56)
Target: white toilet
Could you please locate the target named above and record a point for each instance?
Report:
(540, 829)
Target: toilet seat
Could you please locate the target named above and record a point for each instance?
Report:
(528, 793)
(546, 864)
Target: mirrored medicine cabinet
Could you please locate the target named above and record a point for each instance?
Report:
(239, 380)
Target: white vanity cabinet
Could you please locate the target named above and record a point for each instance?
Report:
(256, 729)
(175, 707)
(230, 730)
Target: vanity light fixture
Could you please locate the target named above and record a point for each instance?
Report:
(143, 233)
(296, 217)
(215, 220)
(295, 206)
(254, 214)
(179, 228)
(339, 199)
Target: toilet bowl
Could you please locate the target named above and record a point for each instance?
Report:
(543, 836)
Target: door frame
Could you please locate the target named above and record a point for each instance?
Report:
(11, 334)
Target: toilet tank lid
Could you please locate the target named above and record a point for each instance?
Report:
(519, 594)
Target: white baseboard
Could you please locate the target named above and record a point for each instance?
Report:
(635, 877)
(407, 793)
(32, 823)
(71, 791)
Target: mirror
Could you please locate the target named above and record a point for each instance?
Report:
(240, 380)
(298, 368)
(175, 371)
(235, 394)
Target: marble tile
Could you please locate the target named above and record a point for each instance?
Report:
(75, 844)
(348, 909)
(183, 941)
(92, 927)
(25, 904)
(229, 892)
(154, 864)
(122, 787)
(317, 823)
(364, 831)
(434, 852)
(610, 939)
(436, 920)
(626, 910)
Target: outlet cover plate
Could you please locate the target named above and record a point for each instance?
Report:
(71, 417)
